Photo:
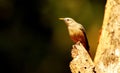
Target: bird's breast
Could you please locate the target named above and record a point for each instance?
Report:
(76, 34)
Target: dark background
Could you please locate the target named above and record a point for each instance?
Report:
(33, 40)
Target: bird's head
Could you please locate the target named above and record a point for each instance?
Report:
(68, 21)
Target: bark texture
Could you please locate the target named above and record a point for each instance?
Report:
(107, 59)
(81, 63)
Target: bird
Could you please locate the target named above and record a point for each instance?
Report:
(76, 31)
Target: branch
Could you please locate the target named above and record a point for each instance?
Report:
(81, 63)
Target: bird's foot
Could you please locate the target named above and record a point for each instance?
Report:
(78, 43)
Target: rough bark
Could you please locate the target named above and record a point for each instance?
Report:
(81, 63)
(107, 58)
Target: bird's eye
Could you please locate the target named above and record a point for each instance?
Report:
(68, 20)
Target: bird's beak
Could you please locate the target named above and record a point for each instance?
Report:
(61, 18)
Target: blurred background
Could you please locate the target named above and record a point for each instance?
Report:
(33, 40)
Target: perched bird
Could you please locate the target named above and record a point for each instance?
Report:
(76, 32)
